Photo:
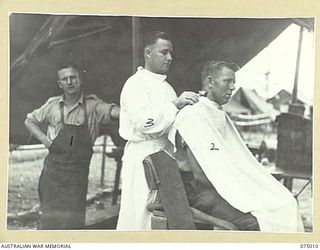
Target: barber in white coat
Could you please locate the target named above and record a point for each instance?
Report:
(148, 109)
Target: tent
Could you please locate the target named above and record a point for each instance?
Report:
(247, 101)
(108, 48)
(284, 97)
(246, 107)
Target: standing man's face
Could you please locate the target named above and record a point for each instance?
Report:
(69, 81)
(222, 85)
(158, 56)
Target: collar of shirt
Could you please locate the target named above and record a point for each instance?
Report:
(155, 75)
(61, 99)
(80, 101)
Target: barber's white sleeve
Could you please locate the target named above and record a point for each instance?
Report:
(146, 112)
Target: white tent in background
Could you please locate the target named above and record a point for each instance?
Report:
(247, 108)
(283, 98)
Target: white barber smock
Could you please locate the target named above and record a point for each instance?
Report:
(237, 176)
(147, 112)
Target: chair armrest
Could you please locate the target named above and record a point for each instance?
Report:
(151, 175)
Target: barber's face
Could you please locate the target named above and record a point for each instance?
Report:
(159, 56)
(69, 81)
(222, 85)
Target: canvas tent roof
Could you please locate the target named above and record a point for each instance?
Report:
(247, 101)
(102, 46)
(235, 107)
(284, 97)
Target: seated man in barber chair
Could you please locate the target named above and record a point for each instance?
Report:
(204, 197)
(223, 181)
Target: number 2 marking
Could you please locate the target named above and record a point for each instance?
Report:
(149, 123)
(213, 146)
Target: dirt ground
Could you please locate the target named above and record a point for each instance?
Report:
(23, 174)
(25, 167)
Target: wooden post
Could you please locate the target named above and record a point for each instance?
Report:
(136, 43)
(296, 107)
(103, 160)
(296, 77)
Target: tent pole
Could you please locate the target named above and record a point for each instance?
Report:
(295, 87)
(295, 107)
(136, 43)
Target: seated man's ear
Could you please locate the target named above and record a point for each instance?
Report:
(209, 81)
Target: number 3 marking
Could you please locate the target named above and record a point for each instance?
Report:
(149, 123)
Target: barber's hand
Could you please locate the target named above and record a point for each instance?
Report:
(186, 98)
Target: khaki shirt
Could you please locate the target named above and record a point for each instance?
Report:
(99, 112)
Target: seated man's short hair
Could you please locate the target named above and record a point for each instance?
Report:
(210, 68)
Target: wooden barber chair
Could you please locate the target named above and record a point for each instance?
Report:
(171, 209)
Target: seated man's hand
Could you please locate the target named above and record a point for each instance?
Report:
(155, 206)
(47, 143)
(186, 98)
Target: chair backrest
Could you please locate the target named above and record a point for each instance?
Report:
(162, 174)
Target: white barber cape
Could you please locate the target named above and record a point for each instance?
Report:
(147, 112)
(237, 176)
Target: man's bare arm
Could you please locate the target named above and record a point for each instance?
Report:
(115, 112)
(37, 133)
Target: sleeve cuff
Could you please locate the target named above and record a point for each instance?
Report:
(33, 118)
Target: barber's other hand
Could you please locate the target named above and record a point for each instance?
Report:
(186, 98)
